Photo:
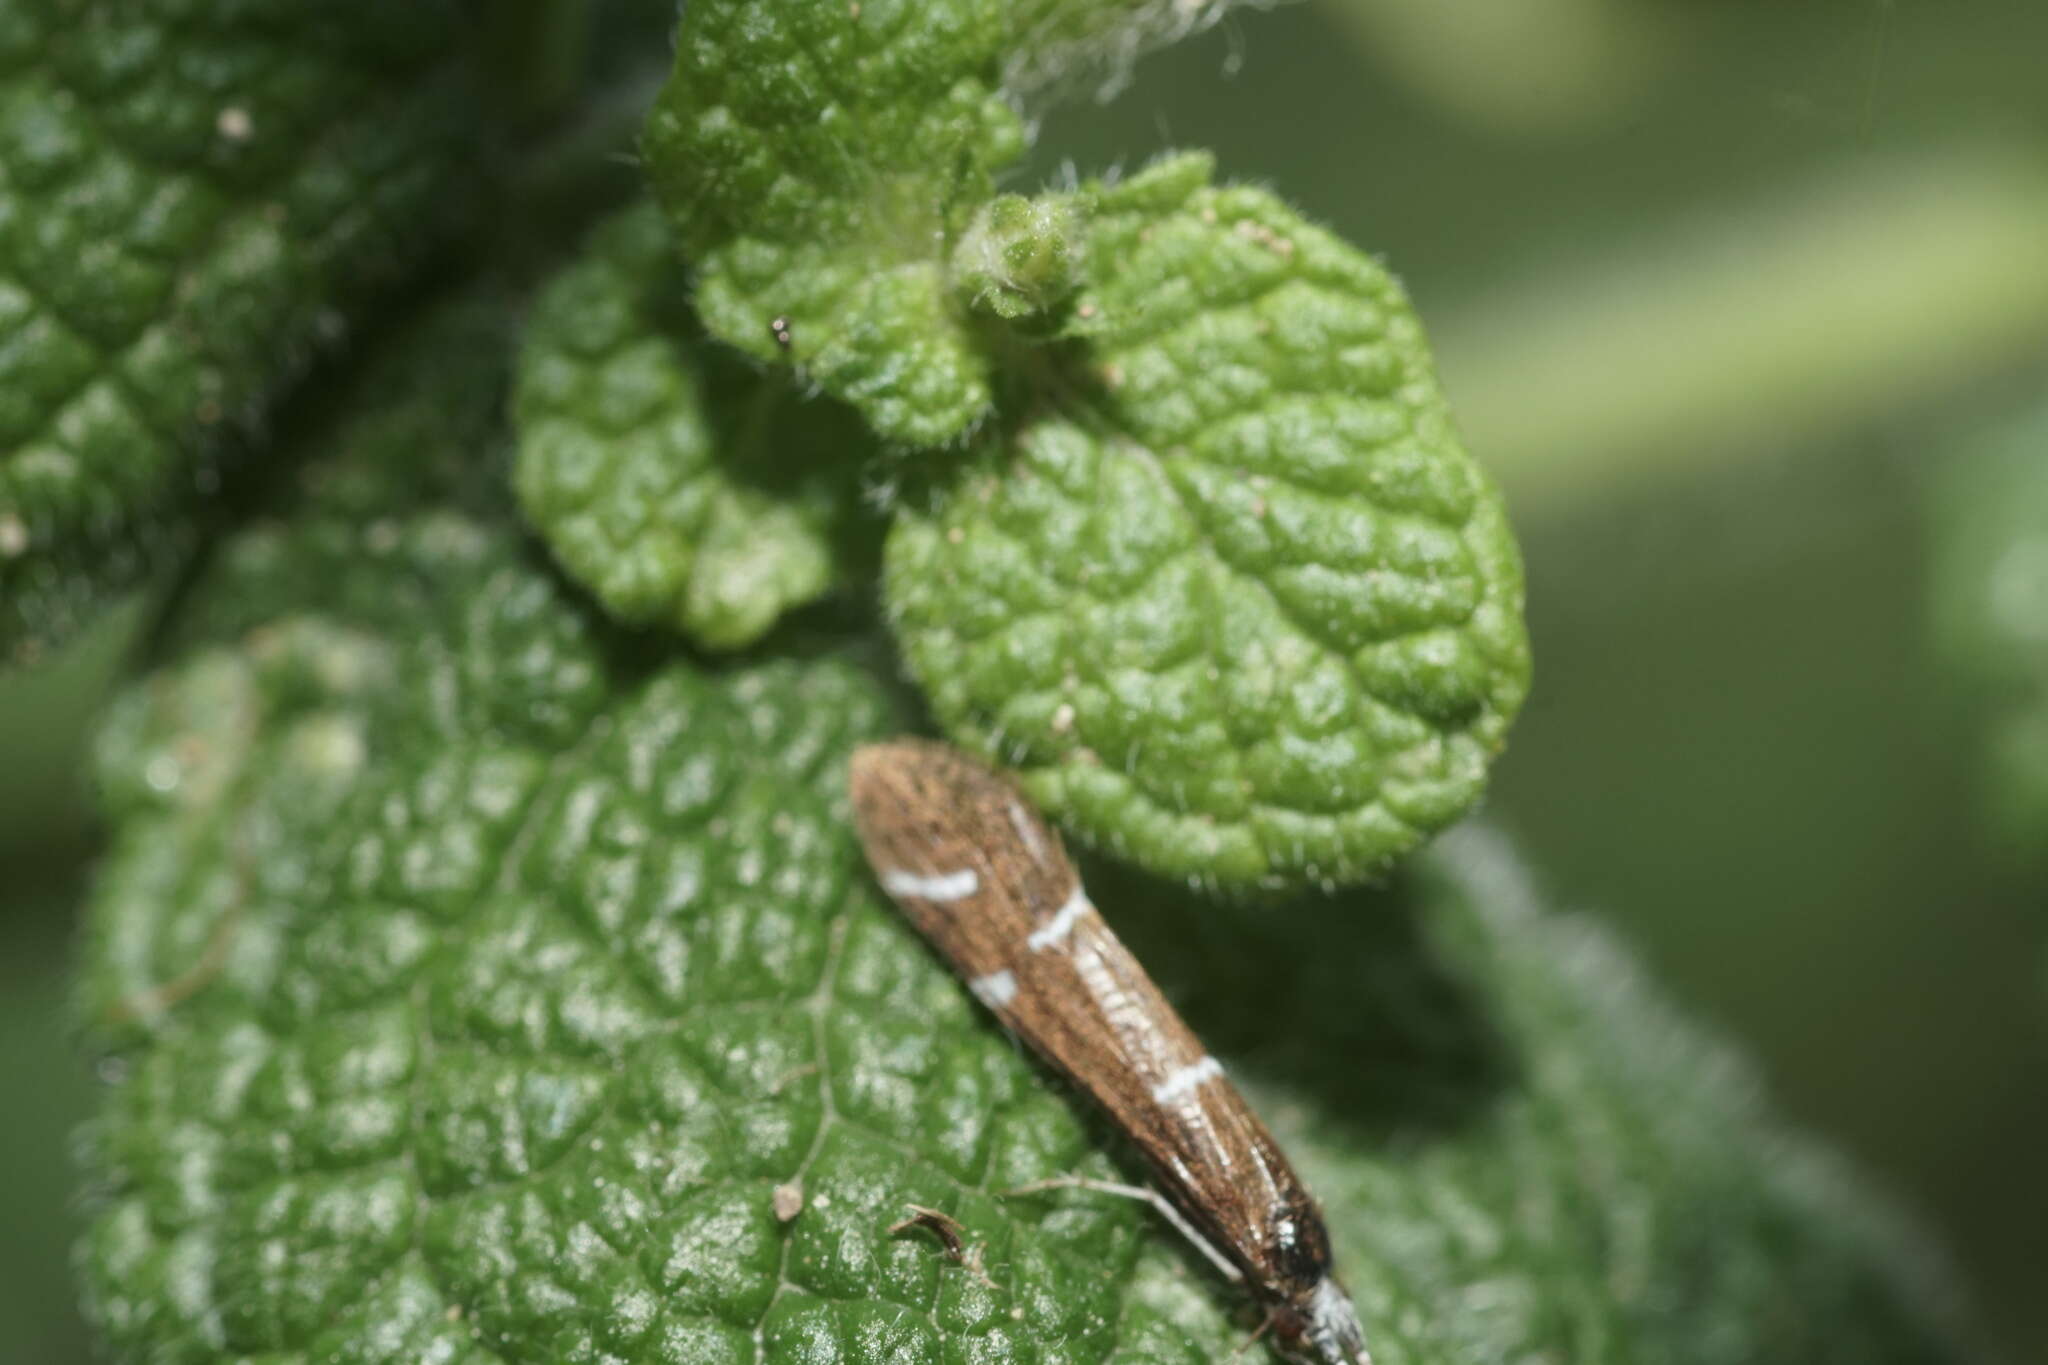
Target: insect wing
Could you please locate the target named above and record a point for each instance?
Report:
(988, 883)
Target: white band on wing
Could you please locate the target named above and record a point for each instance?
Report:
(1186, 1079)
(1062, 922)
(946, 886)
(995, 990)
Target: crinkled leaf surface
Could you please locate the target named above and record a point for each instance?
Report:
(676, 485)
(816, 157)
(1234, 600)
(470, 978)
(194, 197)
(820, 157)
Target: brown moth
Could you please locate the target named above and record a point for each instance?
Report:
(985, 879)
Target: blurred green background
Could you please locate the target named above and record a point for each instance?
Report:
(1737, 299)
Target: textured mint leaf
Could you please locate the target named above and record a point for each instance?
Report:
(521, 1020)
(194, 199)
(540, 973)
(469, 979)
(1234, 601)
(821, 158)
(677, 486)
(817, 157)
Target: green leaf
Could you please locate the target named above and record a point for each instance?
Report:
(419, 423)
(195, 199)
(1232, 599)
(679, 488)
(817, 157)
(469, 979)
(822, 157)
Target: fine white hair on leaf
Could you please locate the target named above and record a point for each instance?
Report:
(1044, 64)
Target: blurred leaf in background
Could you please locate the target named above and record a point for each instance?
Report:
(1989, 587)
(195, 202)
(44, 845)
(1538, 68)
